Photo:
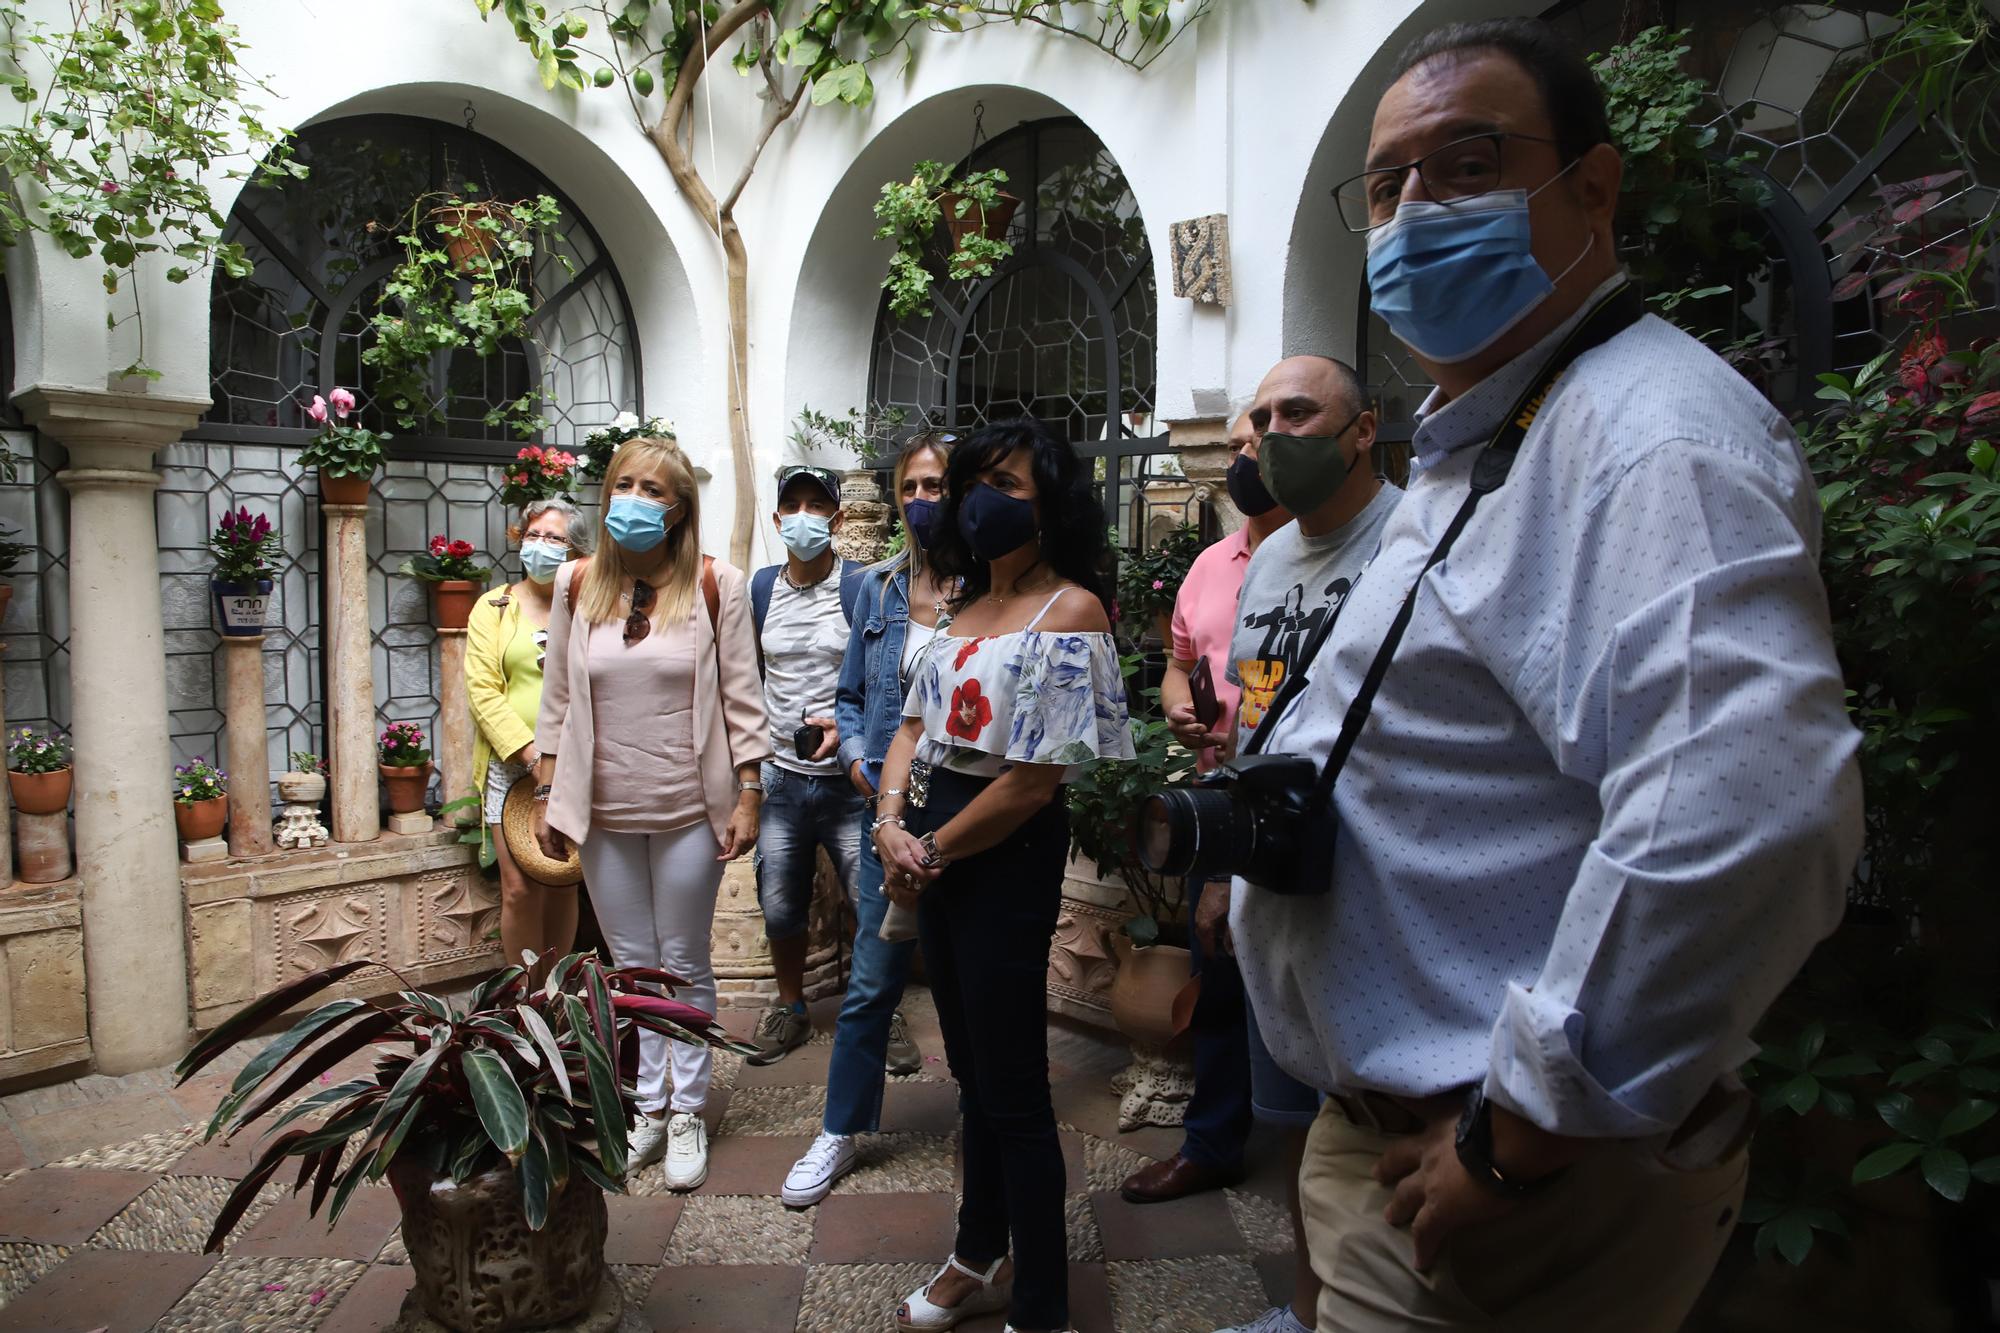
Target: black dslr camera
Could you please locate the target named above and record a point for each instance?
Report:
(1251, 817)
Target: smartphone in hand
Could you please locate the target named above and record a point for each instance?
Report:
(1201, 684)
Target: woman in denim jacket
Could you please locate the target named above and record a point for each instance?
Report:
(895, 615)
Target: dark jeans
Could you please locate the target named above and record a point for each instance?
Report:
(1217, 1121)
(985, 926)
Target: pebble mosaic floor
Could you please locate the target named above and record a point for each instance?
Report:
(108, 1236)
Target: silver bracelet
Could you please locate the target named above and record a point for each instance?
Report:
(890, 791)
(876, 827)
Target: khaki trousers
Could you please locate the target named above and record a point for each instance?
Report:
(1620, 1243)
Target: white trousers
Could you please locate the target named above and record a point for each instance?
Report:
(654, 895)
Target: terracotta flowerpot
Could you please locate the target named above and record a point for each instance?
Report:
(302, 788)
(1142, 995)
(201, 819)
(991, 222)
(6, 596)
(406, 787)
(241, 606)
(474, 242)
(344, 490)
(40, 793)
(477, 1267)
(452, 602)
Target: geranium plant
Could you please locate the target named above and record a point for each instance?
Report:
(537, 473)
(403, 745)
(601, 444)
(340, 449)
(910, 212)
(245, 547)
(305, 761)
(30, 751)
(514, 1075)
(198, 781)
(1148, 581)
(446, 561)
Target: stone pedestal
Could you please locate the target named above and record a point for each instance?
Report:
(350, 707)
(204, 849)
(1202, 449)
(42, 842)
(743, 975)
(410, 824)
(454, 726)
(299, 827)
(864, 530)
(1153, 1090)
(1082, 960)
(6, 825)
(249, 755)
(134, 947)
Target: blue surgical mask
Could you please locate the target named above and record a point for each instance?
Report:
(541, 559)
(994, 524)
(920, 517)
(637, 523)
(1451, 279)
(805, 535)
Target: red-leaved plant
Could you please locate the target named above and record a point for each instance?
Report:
(516, 1074)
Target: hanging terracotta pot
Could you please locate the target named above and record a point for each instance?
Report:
(406, 787)
(201, 819)
(990, 222)
(241, 606)
(1142, 994)
(40, 793)
(344, 490)
(453, 600)
(473, 241)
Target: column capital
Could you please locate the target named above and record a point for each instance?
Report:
(450, 632)
(242, 640)
(108, 432)
(344, 511)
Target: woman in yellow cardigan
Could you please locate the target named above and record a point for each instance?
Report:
(505, 641)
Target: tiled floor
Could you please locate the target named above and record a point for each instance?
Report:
(108, 1194)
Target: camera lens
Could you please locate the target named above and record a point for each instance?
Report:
(1186, 827)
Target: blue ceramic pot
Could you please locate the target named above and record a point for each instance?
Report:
(240, 606)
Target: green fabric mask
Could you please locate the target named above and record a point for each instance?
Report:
(1303, 471)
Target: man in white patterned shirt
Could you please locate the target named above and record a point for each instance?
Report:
(1605, 800)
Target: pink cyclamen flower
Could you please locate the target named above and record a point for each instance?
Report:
(109, 187)
(317, 409)
(1159, 584)
(342, 402)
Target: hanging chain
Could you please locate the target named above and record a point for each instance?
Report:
(978, 128)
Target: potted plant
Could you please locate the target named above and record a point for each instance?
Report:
(538, 473)
(305, 783)
(498, 1118)
(862, 433)
(201, 799)
(12, 553)
(455, 579)
(38, 772)
(1149, 581)
(975, 211)
(246, 552)
(346, 456)
(405, 761)
(473, 230)
(600, 444)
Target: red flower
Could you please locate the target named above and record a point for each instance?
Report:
(966, 650)
(459, 550)
(970, 712)
(438, 544)
(1984, 410)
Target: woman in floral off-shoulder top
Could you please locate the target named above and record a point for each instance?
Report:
(1017, 691)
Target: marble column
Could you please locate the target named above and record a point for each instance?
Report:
(248, 748)
(350, 711)
(6, 824)
(454, 727)
(134, 934)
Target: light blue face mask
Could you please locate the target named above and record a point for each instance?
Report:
(1450, 280)
(805, 535)
(636, 523)
(541, 559)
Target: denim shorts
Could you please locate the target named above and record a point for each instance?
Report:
(1276, 1098)
(804, 812)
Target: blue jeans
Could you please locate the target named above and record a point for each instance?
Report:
(804, 812)
(878, 972)
(1217, 1120)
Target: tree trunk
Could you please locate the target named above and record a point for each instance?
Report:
(737, 263)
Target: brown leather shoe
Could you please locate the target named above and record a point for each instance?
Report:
(1175, 1178)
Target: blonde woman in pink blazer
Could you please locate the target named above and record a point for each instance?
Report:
(651, 732)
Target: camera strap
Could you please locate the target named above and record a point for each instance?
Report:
(1618, 311)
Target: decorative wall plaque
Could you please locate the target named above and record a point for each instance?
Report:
(1201, 258)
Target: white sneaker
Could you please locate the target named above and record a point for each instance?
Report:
(687, 1151)
(1277, 1319)
(645, 1141)
(811, 1177)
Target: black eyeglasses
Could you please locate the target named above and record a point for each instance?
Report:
(640, 623)
(1462, 169)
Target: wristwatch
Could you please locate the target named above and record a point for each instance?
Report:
(932, 856)
(1475, 1150)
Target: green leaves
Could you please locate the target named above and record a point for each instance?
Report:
(503, 1111)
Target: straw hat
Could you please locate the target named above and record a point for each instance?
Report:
(517, 826)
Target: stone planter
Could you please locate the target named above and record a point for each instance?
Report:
(406, 787)
(452, 602)
(40, 793)
(196, 820)
(344, 490)
(476, 1266)
(241, 606)
(302, 788)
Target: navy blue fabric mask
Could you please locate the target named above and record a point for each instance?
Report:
(1246, 487)
(920, 517)
(994, 524)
